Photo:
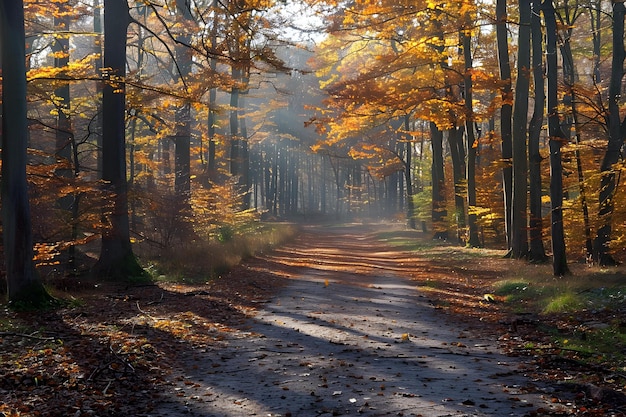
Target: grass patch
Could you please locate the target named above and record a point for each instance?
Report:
(565, 302)
(596, 345)
(415, 241)
(407, 240)
(584, 290)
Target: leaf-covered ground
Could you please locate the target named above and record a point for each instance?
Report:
(112, 352)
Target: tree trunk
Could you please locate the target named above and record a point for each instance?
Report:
(234, 125)
(64, 136)
(537, 251)
(408, 167)
(24, 287)
(617, 134)
(244, 177)
(595, 13)
(457, 153)
(117, 260)
(519, 216)
(182, 153)
(472, 142)
(557, 138)
(65, 140)
(439, 211)
(98, 51)
(506, 112)
(569, 78)
(212, 119)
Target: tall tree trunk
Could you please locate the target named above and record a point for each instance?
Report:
(182, 153)
(64, 136)
(408, 167)
(439, 210)
(617, 133)
(65, 140)
(322, 188)
(99, 62)
(569, 78)
(557, 138)
(472, 142)
(212, 119)
(519, 215)
(457, 153)
(23, 282)
(595, 13)
(537, 251)
(506, 112)
(244, 178)
(235, 157)
(240, 53)
(117, 260)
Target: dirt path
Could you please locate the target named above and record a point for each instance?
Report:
(349, 335)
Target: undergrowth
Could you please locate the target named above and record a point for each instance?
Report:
(581, 316)
(203, 260)
(587, 305)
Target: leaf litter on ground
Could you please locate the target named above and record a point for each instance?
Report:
(113, 353)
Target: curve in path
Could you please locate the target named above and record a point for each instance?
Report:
(349, 335)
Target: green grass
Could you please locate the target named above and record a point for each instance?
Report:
(408, 240)
(565, 302)
(584, 290)
(595, 345)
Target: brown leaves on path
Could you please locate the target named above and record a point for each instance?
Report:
(113, 351)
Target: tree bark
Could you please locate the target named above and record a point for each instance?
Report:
(408, 167)
(439, 211)
(557, 138)
(459, 171)
(617, 133)
(537, 250)
(65, 140)
(212, 117)
(569, 100)
(182, 155)
(98, 63)
(471, 141)
(117, 260)
(519, 216)
(506, 112)
(595, 13)
(64, 136)
(24, 287)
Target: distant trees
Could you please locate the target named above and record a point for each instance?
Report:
(436, 65)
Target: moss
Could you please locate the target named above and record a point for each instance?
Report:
(33, 297)
(124, 269)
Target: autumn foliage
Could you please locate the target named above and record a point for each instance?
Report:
(236, 111)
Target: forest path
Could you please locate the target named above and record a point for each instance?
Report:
(349, 335)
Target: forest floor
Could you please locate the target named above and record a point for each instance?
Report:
(337, 322)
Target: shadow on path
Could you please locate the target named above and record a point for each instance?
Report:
(349, 335)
